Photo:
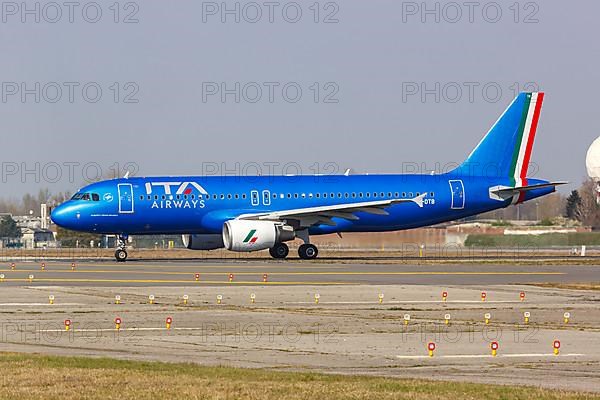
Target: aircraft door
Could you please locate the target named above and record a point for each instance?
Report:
(266, 198)
(254, 197)
(125, 198)
(457, 190)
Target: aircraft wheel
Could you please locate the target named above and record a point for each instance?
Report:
(121, 255)
(280, 250)
(308, 251)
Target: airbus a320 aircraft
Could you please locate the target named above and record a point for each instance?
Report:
(255, 213)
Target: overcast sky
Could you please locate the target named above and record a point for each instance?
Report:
(361, 68)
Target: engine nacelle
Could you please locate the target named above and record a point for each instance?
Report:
(246, 235)
(206, 241)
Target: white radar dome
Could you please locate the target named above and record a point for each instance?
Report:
(592, 160)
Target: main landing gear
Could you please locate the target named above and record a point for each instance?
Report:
(280, 250)
(121, 252)
(306, 251)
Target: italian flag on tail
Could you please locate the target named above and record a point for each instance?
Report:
(524, 142)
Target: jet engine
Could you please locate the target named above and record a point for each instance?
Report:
(246, 235)
(205, 241)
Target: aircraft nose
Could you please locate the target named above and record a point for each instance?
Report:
(61, 215)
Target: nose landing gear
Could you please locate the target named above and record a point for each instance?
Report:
(121, 252)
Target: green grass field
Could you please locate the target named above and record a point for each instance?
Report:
(27, 376)
(544, 240)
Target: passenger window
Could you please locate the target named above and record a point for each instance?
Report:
(431, 194)
(141, 197)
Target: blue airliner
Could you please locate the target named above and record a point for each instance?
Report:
(256, 213)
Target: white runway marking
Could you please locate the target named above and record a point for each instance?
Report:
(39, 304)
(123, 329)
(422, 357)
(411, 302)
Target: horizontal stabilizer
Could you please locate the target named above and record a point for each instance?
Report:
(504, 192)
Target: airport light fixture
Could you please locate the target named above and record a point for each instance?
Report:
(431, 348)
(494, 347)
(487, 317)
(556, 345)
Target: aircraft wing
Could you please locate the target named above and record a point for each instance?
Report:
(323, 214)
(506, 192)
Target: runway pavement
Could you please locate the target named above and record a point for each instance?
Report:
(325, 316)
(217, 272)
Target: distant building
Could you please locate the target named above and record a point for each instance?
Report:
(34, 238)
(33, 234)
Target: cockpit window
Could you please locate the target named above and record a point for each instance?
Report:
(86, 196)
